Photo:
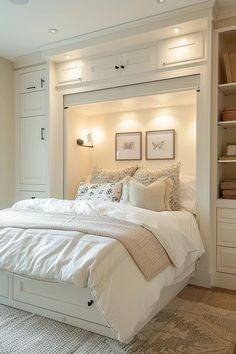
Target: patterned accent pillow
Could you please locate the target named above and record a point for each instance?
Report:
(104, 192)
(147, 177)
(105, 176)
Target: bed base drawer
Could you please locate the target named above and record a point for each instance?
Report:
(62, 298)
(4, 284)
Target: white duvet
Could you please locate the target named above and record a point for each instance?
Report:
(122, 294)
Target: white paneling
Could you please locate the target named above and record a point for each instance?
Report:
(226, 260)
(33, 104)
(33, 150)
(103, 68)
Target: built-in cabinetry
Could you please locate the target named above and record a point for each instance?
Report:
(175, 51)
(168, 53)
(32, 124)
(226, 164)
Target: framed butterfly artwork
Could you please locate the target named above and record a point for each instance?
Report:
(160, 145)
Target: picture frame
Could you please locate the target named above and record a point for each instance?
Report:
(231, 149)
(128, 146)
(160, 144)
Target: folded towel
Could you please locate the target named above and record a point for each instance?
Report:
(228, 184)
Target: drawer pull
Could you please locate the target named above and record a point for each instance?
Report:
(42, 133)
(33, 197)
(122, 67)
(117, 67)
(90, 303)
(42, 82)
(30, 87)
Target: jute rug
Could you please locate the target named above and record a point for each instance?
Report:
(196, 321)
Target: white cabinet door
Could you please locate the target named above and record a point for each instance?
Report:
(22, 195)
(33, 104)
(138, 61)
(180, 50)
(70, 71)
(103, 68)
(33, 81)
(226, 260)
(33, 158)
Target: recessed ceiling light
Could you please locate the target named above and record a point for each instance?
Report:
(53, 30)
(176, 30)
(67, 56)
(19, 2)
(161, 1)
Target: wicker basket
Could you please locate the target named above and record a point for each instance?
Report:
(228, 114)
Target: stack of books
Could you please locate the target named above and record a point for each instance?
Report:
(228, 189)
(230, 66)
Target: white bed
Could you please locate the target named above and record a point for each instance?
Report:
(97, 288)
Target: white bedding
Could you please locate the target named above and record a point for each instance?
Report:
(103, 264)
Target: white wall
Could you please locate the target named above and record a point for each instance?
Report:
(81, 161)
(7, 133)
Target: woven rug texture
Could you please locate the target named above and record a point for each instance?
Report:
(196, 321)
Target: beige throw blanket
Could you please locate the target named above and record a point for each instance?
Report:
(146, 251)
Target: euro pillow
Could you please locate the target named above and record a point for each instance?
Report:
(106, 176)
(155, 196)
(104, 192)
(187, 193)
(146, 177)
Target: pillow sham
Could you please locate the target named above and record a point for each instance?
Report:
(187, 193)
(147, 177)
(103, 192)
(106, 176)
(155, 196)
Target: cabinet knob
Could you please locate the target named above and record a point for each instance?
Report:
(90, 303)
(122, 67)
(117, 67)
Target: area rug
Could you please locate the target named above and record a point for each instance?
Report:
(196, 321)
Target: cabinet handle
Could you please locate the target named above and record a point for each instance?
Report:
(90, 303)
(33, 197)
(31, 88)
(42, 133)
(122, 67)
(42, 82)
(117, 67)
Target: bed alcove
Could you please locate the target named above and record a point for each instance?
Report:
(112, 113)
(197, 83)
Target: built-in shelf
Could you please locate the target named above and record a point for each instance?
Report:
(228, 89)
(227, 124)
(227, 161)
(226, 203)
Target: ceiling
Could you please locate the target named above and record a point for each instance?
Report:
(24, 28)
(138, 103)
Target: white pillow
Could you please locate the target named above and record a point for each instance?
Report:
(155, 196)
(100, 191)
(187, 193)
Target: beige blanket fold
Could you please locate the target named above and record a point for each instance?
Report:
(144, 248)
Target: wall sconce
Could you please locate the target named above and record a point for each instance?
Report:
(80, 142)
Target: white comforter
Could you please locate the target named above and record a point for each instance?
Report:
(100, 263)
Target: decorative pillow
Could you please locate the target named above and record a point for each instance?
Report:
(187, 193)
(105, 176)
(147, 177)
(104, 192)
(155, 196)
